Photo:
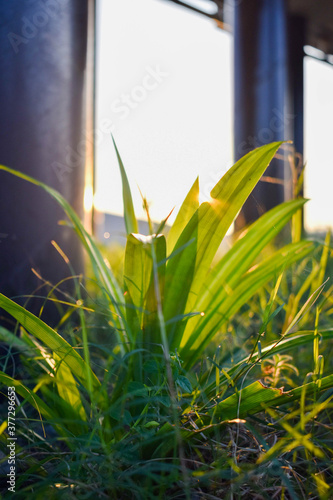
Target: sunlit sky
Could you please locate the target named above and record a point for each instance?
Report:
(164, 89)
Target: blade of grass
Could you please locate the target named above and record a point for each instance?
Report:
(30, 397)
(51, 339)
(129, 214)
(287, 343)
(104, 275)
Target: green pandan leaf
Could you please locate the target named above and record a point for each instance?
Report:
(187, 271)
(129, 214)
(138, 278)
(251, 282)
(188, 208)
(229, 271)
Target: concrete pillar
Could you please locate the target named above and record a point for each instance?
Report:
(296, 42)
(42, 133)
(260, 92)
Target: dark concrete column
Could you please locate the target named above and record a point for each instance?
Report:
(42, 133)
(296, 42)
(260, 90)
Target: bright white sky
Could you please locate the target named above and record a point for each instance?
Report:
(164, 86)
(318, 144)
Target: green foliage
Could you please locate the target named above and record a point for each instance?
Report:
(144, 412)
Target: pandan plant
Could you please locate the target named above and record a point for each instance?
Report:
(170, 307)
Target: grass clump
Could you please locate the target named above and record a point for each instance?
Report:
(189, 377)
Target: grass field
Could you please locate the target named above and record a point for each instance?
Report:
(174, 374)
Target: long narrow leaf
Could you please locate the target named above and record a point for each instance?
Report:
(51, 339)
(231, 268)
(29, 396)
(207, 228)
(103, 274)
(251, 282)
(186, 211)
(67, 388)
(256, 397)
(138, 277)
(129, 214)
(287, 344)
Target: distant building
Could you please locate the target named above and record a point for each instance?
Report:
(110, 229)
